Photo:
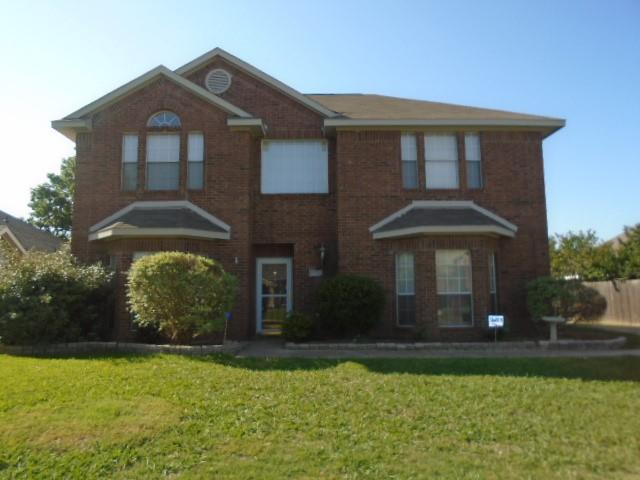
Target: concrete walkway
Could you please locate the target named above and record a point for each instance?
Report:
(274, 348)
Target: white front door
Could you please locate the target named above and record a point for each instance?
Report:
(273, 294)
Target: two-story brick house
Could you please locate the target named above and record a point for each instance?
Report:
(443, 204)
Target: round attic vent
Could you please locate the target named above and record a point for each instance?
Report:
(218, 81)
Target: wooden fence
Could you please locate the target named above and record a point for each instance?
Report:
(623, 302)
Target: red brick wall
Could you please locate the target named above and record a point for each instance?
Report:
(365, 186)
(370, 188)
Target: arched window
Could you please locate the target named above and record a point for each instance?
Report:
(164, 119)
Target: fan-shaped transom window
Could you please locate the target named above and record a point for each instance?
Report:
(164, 119)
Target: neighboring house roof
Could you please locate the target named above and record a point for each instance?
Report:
(442, 217)
(26, 236)
(374, 110)
(161, 219)
(256, 73)
(76, 121)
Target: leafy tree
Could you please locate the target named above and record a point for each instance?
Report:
(52, 202)
(629, 253)
(583, 256)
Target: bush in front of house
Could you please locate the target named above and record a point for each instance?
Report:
(548, 297)
(182, 295)
(297, 327)
(349, 304)
(50, 297)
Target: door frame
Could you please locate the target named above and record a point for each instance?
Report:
(260, 261)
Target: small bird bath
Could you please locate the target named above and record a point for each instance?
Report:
(553, 326)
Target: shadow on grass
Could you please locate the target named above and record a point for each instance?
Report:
(626, 368)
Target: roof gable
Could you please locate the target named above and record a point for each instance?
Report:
(256, 73)
(78, 121)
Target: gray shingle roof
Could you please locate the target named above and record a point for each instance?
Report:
(164, 218)
(30, 237)
(434, 217)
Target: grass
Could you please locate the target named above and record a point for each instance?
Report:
(221, 417)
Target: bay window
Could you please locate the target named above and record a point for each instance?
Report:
(405, 289)
(453, 283)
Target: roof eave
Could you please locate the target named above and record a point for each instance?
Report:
(546, 125)
(445, 230)
(135, 232)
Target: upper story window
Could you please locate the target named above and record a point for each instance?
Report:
(474, 160)
(163, 161)
(441, 160)
(164, 119)
(195, 165)
(295, 166)
(409, 149)
(129, 162)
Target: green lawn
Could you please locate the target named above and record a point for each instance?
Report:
(221, 417)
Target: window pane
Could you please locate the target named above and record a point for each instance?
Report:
(472, 147)
(409, 174)
(195, 175)
(454, 310)
(406, 309)
(441, 147)
(295, 166)
(453, 283)
(405, 282)
(163, 176)
(195, 147)
(164, 119)
(442, 174)
(163, 148)
(409, 147)
(474, 175)
(129, 176)
(129, 148)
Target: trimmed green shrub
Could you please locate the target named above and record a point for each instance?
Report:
(182, 295)
(49, 297)
(570, 299)
(297, 327)
(347, 304)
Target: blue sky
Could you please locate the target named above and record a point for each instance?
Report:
(578, 60)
